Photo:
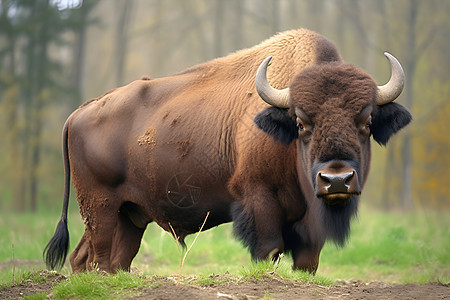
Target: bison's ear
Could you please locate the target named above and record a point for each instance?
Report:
(389, 119)
(277, 123)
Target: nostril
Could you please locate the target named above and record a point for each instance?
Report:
(336, 183)
(348, 178)
(325, 178)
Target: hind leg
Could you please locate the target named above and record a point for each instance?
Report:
(80, 256)
(99, 210)
(114, 229)
(94, 249)
(126, 241)
(101, 239)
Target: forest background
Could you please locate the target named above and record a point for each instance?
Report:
(56, 54)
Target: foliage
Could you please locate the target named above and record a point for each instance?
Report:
(431, 146)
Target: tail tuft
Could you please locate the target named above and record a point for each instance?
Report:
(55, 252)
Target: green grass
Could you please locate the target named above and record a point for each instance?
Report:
(96, 285)
(29, 233)
(37, 296)
(282, 268)
(392, 247)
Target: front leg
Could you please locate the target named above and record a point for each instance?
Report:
(258, 222)
(306, 258)
(305, 250)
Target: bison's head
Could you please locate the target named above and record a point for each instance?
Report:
(331, 110)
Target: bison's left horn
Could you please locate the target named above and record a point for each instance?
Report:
(391, 90)
(275, 97)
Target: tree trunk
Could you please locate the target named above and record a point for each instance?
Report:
(12, 103)
(390, 193)
(238, 36)
(40, 81)
(27, 102)
(275, 15)
(122, 39)
(411, 69)
(218, 28)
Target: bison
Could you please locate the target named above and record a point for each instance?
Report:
(288, 171)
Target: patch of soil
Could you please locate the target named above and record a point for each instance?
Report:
(277, 288)
(30, 287)
(270, 288)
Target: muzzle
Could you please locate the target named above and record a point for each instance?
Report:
(335, 181)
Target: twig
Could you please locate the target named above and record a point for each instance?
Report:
(14, 266)
(193, 242)
(176, 238)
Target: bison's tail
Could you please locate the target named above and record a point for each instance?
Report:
(55, 252)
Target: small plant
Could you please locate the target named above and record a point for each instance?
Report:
(35, 277)
(14, 266)
(267, 295)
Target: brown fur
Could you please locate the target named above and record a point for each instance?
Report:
(127, 146)
(333, 95)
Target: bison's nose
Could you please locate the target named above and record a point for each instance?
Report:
(336, 185)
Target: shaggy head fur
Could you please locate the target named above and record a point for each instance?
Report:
(332, 116)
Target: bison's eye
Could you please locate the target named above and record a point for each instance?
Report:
(364, 122)
(304, 126)
(300, 124)
(365, 126)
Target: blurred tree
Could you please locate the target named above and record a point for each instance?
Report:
(274, 13)
(9, 89)
(51, 56)
(238, 28)
(412, 39)
(431, 143)
(419, 36)
(33, 80)
(124, 9)
(218, 27)
(80, 21)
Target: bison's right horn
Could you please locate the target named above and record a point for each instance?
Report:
(275, 97)
(391, 90)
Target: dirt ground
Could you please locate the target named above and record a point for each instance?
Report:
(268, 288)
